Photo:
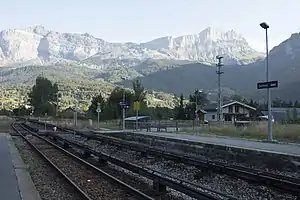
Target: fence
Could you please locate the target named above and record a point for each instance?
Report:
(151, 125)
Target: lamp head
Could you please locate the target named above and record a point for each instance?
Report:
(264, 25)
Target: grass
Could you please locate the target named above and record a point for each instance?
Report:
(259, 131)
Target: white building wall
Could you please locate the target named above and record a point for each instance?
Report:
(209, 116)
(242, 110)
(225, 110)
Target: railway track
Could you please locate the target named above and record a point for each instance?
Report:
(286, 183)
(281, 182)
(160, 180)
(91, 182)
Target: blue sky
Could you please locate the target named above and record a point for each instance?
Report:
(143, 20)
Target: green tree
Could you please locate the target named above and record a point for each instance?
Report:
(94, 105)
(251, 103)
(43, 96)
(288, 114)
(5, 112)
(199, 98)
(21, 111)
(113, 110)
(138, 90)
(139, 94)
(180, 113)
(295, 114)
(236, 97)
(290, 104)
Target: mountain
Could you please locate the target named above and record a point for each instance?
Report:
(170, 64)
(37, 45)
(205, 46)
(284, 66)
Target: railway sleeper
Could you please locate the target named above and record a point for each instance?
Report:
(142, 154)
(295, 166)
(159, 187)
(66, 145)
(102, 161)
(86, 154)
(202, 173)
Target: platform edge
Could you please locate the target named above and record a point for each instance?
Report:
(26, 186)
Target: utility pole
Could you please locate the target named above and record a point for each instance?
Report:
(123, 111)
(123, 106)
(219, 72)
(57, 104)
(2, 98)
(196, 112)
(19, 105)
(98, 114)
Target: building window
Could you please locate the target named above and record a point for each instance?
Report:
(213, 117)
(236, 109)
(230, 110)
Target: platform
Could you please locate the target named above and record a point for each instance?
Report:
(290, 149)
(15, 181)
(261, 146)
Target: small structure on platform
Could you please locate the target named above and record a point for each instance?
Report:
(232, 111)
(201, 114)
(69, 112)
(130, 122)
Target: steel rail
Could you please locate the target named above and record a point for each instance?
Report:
(281, 182)
(172, 182)
(81, 192)
(128, 188)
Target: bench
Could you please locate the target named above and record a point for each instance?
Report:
(160, 126)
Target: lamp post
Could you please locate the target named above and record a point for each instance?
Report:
(265, 26)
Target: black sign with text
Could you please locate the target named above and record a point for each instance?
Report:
(270, 84)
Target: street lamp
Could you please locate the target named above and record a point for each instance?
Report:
(265, 26)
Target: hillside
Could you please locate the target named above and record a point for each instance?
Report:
(241, 79)
(27, 74)
(284, 66)
(77, 84)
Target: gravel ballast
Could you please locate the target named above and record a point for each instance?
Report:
(225, 156)
(89, 180)
(143, 184)
(48, 182)
(219, 182)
